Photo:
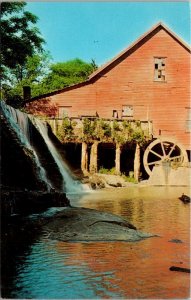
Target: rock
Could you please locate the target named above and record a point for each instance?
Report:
(93, 185)
(185, 198)
(177, 241)
(26, 202)
(179, 269)
(82, 224)
(117, 184)
(96, 182)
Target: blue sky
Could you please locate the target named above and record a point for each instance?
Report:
(100, 30)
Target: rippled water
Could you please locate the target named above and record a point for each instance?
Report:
(47, 269)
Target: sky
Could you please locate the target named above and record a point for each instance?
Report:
(100, 30)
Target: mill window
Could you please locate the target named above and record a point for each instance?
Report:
(127, 111)
(159, 69)
(63, 111)
(115, 114)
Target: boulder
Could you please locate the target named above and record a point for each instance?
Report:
(82, 224)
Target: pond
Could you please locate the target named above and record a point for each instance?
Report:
(40, 268)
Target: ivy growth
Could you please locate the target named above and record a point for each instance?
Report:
(89, 127)
(103, 130)
(66, 130)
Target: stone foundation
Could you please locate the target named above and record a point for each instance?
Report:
(165, 175)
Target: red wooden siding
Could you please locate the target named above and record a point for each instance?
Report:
(131, 82)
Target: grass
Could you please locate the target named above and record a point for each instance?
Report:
(107, 171)
(112, 171)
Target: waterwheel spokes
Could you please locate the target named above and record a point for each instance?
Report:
(171, 150)
(176, 157)
(157, 162)
(163, 150)
(155, 153)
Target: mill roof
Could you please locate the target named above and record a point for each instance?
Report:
(118, 58)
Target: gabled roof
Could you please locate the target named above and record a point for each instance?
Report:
(103, 69)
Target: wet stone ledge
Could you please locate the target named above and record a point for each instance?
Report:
(83, 224)
(26, 202)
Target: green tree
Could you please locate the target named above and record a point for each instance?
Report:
(35, 68)
(63, 74)
(20, 37)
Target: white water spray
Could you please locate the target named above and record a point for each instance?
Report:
(19, 122)
(70, 185)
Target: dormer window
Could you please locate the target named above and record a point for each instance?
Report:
(159, 69)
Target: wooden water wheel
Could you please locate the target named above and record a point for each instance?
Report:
(162, 150)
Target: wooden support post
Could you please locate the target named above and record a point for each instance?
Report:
(117, 159)
(137, 162)
(55, 126)
(84, 158)
(93, 157)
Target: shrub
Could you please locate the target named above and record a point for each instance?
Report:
(111, 171)
(129, 179)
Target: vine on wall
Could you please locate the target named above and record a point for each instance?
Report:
(102, 130)
(66, 130)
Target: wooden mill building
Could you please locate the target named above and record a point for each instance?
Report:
(150, 82)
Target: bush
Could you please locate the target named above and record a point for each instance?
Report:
(66, 131)
(129, 179)
(89, 128)
(111, 171)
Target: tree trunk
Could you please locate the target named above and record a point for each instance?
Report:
(137, 162)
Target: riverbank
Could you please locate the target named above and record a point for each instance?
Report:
(161, 176)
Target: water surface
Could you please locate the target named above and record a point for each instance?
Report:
(46, 269)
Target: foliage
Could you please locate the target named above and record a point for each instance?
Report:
(66, 131)
(20, 40)
(106, 128)
(42, 105)
(116, 126)
(43, 77)
(138, 136)
(63, 74)
(129, 179)
(89, 128)
(20, 37)
(30, 74)
(118, 132)
(111, 171)
(23, 61)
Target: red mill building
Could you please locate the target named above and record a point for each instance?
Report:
(148, 81)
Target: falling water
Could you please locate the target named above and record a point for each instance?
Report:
(69, 184)
(19, 121)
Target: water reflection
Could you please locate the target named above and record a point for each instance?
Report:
(62, 270)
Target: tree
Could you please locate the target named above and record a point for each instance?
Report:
(20, 40)
(20, 37)
(35, 68)
(63, 74)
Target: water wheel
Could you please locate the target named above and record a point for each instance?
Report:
(161, 150)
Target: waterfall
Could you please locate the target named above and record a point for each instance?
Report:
(20, 122)
(69, 184)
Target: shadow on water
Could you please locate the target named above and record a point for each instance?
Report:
(17, 236)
